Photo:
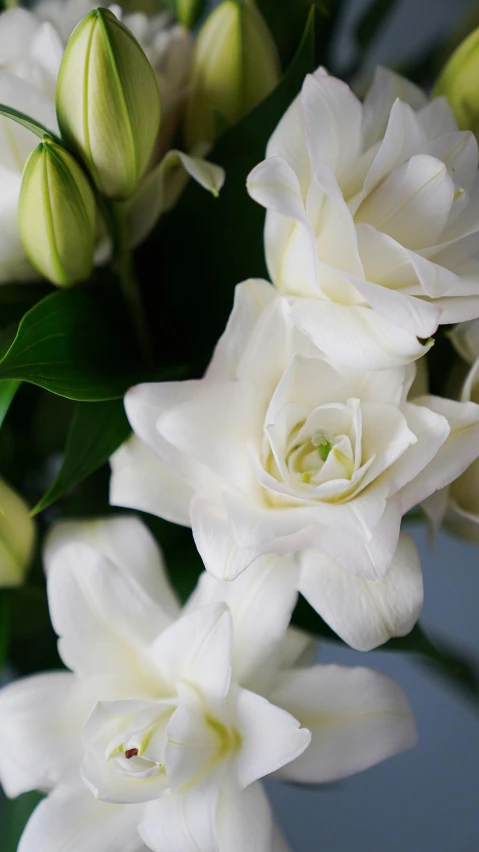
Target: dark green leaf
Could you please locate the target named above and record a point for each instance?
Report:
(181, 556)
(15, 815)
(5, 628)
(96, 431)
(454, 667)
(287, 20)
(73, 344)
(8, 389)
(374, 18)
(224, 236)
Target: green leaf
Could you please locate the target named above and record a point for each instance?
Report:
(211, 244)
(15, 815)
(29, 123)
(72, 344)
(374, 18)
(97, 429)
(436, 655)
(287, 20)
(8, 389)
(5, 629)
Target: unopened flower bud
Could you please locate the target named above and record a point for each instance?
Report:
(56, 215)
(17, 537)
(459, 82)
(235, 67)
(108, 103)
(189, 11)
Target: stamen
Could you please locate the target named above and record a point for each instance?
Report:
(131, 752)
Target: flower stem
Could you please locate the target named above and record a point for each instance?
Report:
(124, 267)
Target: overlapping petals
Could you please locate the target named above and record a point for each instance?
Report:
(372, 222)
(160, 734)
(279, 451)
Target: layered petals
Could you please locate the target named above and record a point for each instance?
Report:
(370, 214)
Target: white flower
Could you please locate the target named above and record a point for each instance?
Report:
(277, 451)
(372, 223)
(17, 536)
(457, 506)
(168, 719)
(31, 50)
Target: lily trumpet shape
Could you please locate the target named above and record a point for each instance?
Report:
(168, 719)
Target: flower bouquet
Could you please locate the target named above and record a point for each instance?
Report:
(239, 355)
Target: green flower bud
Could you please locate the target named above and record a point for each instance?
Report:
(108, 103)
(56, 215)
(459, 82)
(189, 11)
(234, 68)
(17, 537)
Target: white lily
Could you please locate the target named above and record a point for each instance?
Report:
(168, 720)
(372, 221)
(277, 451)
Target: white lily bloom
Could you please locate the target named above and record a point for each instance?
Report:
(31, 49)
(160, 733)
(457, 506)
(372, 223)
(278, 451)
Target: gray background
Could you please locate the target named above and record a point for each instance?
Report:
(426, 800)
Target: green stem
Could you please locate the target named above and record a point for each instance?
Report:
(124, 267)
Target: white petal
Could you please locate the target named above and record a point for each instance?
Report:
(214, 425)
(332, 120)
(403, 139)
(365, 613)
(274, 185)
(182, 822)
(144, 405)
(261, 601)
(195, 751)
(140, 480)
(455, 454)
(383, 92)
(39, 739)
(126, 542)
(250, 300)
(431, 430)
(370, 555)
(72, 819)
(103, 617)
(215, 542)
(355, 336)
(357, 718)
(270, 738)
(413, 204)
(289, 142)
(198, 648)
(244, 821)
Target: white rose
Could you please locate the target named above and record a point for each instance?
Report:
(174, 716)
(276, 450)
(372, 224)
(458, 505)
